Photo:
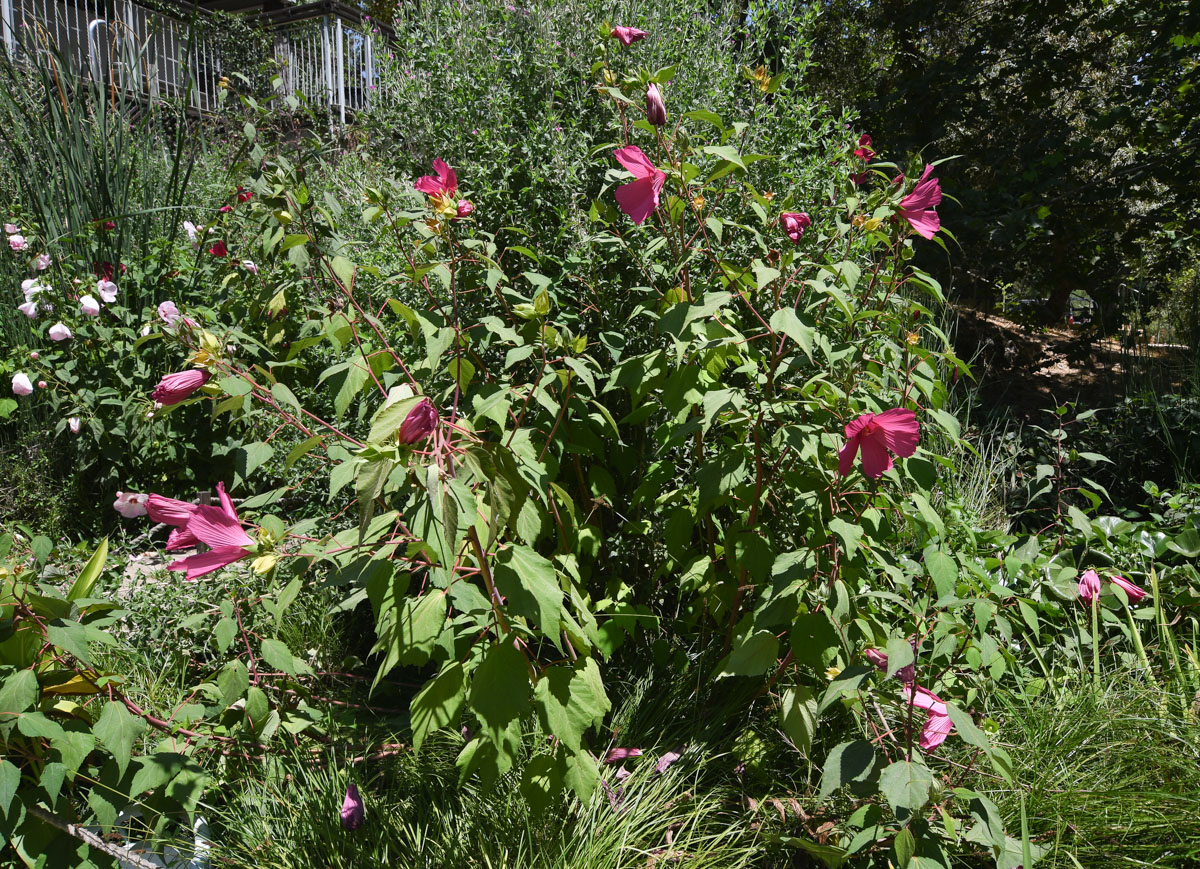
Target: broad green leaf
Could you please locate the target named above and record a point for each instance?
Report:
(755, 656)
(906, 785)
(815, 640)
(439, 703)
(390, 417)
(117, 730)
(848, 762)
(500, 688)
(233, 682)
(786, 320)
(571, 700)
(18, 692)
(798, 715)
(530, 584)
(10, 780)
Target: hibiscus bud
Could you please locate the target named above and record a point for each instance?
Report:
(628, 35)
(21, 384)
(1089, 586)
(219, 249)
(420, 423)
(352, 808)
(33, 354)
(59, 332)
(465, 207)
(89, 306)
(249, 266)
(75, 423)
(656, 109)
(1133, 592)
(41, 384)
(174, 388)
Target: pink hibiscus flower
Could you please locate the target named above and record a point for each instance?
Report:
(895, 430)
(918, 207)
(938, 725)
(220, 529)
(639, 198)
(628, 35)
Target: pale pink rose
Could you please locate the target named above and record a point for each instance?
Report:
(21, 384)
(89, 306)
(59, 332)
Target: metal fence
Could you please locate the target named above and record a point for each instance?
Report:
(120, 42)
(325, 51)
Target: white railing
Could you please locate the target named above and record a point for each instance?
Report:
(325, 51)
(117, 41)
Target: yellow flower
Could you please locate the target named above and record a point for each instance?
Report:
(832, 673)
(698, 201)
(872, 224)
(912, 338)
(764, 78)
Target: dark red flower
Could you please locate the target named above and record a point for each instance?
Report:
(219, 249)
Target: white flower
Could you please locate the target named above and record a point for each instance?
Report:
(29, 309)
(130, 504)
(169, 312)
(59, 332)
(41, 262)
(75, 423)
(21, 384)
(249, 266)
(107, 290)
(11, 228)
(89, 306)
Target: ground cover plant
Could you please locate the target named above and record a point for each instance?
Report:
(617, 516)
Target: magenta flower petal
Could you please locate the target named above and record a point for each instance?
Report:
(639, 198)
(667, 760)
(1089, 586)
(901, 432)
(635, 160)
(169, 510)
(918, 207)
(206, 562)
(936, 729)
(1133, 592)
(216, 528)
(181, 538)
(628, 35)
(618, 754)
(875, 459)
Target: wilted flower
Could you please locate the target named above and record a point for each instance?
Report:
(1089, 586)
(17, 242)
(639, 198)
(656, 109)
(89, 306)
(616, 755)
(21, 384)
(249, 266)
(244, 195)
(896, 430)
(794, 223)
(193, 232)
(107, 290)
(918, 207)
(906, 674)
(219, 249)
(352, 808)
(75, 424)
(668, 759)
(41, 262)
(420, 423)
(130, 504)
(628, 35)
(174, 388)
(59, 332)
(1133, 592)
(225, 209)
(11, 228)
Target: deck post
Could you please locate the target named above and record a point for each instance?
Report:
(341, 72)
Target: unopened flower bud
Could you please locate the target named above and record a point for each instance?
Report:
(656, 109)
(41, 384)
(33, 354)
